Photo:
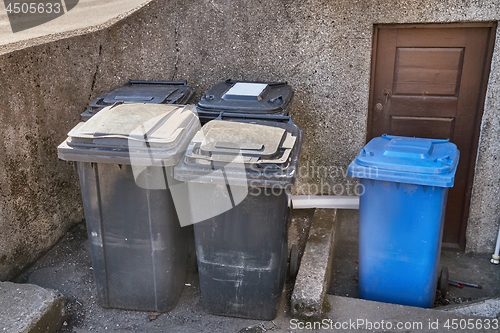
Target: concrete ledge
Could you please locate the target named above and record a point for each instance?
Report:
(357, 315)
(312, 280)
(27, 308)
(488, 307)
(82, 19)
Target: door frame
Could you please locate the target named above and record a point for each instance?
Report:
(480, 107)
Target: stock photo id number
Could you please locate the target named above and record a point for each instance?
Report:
(28, 14)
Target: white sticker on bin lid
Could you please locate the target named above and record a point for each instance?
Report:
(246, 90)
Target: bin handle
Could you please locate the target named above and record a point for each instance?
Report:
(173, 83)
(256, 117)
(116, 104)
(272, 84)
(390, 137)
(97, 102)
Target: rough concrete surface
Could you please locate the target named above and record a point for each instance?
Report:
(321, 48)
(27, 308)
(313, 279)
(67, 267)
(462, 267)
(485, 308)
(87, 15)
(472, 268)
(358, 315)
(484, 217)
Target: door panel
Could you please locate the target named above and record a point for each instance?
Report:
(430, 81)
(422, 126)
(424, 106)
(428, 71)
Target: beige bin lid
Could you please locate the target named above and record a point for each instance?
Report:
(221, 141)
(144, 133)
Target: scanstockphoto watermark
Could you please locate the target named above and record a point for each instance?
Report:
(26, 14)
(455, 324)
(332, 180)
(326, 180)
(356, 324)
(348, 188)
(311, 171)
(202, 190)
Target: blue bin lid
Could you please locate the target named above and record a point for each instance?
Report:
(409, 160)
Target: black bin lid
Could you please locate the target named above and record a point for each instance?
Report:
(138, 91)
(247, 97)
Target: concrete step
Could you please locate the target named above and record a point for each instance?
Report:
(314, 310)
(347, 314)
(313, 278)
(487, 307)
(27, 308)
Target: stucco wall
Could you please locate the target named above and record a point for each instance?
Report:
(322, 48)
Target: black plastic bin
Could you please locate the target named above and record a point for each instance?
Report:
(239, 173)
(124, 155)
(245, 97)
(139, 91)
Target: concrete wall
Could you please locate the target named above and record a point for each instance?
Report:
(322, 48)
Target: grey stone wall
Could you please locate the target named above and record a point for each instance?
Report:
(322, 48)
(484, 216)
(41, 95)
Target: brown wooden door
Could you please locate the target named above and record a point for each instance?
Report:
(430, 81)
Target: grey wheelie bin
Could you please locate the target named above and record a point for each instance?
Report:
(239, 173)
(124, 155)
(245, 97)
(139, 91)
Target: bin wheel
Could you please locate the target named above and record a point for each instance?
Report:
(294, 260)
(443, 281)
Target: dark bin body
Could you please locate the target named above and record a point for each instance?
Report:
(139, 250)
(138, 91)
(242, 257)
(405, 183)
(244, 97)
(242, 252)
(135, 240)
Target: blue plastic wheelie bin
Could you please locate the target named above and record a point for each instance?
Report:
(405, 183)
